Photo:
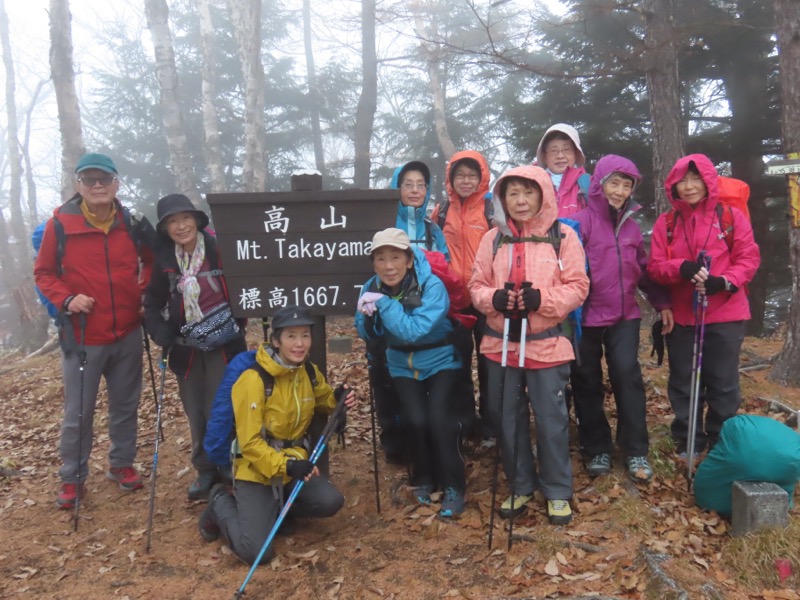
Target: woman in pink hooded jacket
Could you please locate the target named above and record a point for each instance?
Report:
(560, 154)
(522, 251)
(684, 239)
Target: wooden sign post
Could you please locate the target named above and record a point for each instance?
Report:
(791, 169)
(306, 247)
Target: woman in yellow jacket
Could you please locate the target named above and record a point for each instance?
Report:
(271, 432)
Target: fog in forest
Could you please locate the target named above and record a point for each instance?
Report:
(353, 89)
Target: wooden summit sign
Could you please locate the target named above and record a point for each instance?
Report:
(310, 248)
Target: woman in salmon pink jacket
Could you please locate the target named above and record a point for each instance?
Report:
(520, 251)
(698, 229)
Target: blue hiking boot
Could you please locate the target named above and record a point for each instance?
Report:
(422, 494)
(452, 503)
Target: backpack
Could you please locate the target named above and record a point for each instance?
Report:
(572, 323)
(583, 190)
(221, 427)
(36, 241)
(458, 294)
(732, 193)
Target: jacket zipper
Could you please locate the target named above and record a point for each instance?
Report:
(296, 399)
(111, 287)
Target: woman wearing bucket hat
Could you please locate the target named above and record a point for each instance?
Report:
(406, 304)
(187, 312)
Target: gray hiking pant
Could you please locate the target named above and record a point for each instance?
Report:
(246, 519)
(544, 389)
(197, 394)
(121, 365)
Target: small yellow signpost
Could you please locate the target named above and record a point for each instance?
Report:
(791, 169)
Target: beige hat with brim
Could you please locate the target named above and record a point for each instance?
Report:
(394, 237)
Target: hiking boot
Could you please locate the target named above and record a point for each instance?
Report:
(395, 458)
(559, 512)
(422, 494)
(639, 470)
(201, 487)
(209, 530)
(127, 478)
(68, 494)
(452, 503)
(520, 502)
(599, 464)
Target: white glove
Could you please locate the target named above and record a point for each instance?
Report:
(366, 304)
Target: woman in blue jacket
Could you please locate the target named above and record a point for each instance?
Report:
(413, 180)
(406, 304)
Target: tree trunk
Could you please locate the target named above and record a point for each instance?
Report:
(368, 100)
(30, 183)
(313, 91)
(433, 65)
(212, 145)
(663, 92)
(69, 113)
(787, 17)
(19, 232)
(246, 19)
(177, 143)
(745, 78)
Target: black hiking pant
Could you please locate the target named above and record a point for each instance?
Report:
(433, 431)
(387, 404)
(719, 379)
(621, 345)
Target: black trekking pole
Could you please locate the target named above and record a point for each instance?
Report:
(159, 404)
(327, 432)
(495, 472)
(523, 333)
(152, 374)
(374, 441)
(82, 368)
(697, 366)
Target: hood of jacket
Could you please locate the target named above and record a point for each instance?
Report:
(607, 166)
(548, 212)
(410, 216)
(570, 132)
(483, 187)
(707, 172)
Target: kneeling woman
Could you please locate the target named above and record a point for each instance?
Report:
(407, 304)
(272, 435)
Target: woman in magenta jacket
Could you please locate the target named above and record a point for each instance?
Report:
(696, 228)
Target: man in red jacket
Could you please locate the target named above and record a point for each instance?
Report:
(93, 264)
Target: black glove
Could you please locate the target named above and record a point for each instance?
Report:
(658, 340)
(164, 336)
(531, 298)
(689, 269)
(299, 469)
(714, 285)
(500, 301)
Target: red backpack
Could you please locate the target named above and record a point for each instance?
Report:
(732, 193)
(459, 296)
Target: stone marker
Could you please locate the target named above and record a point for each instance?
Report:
(757, 505)
(340, 344)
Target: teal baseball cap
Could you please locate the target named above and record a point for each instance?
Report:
(93, 160)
